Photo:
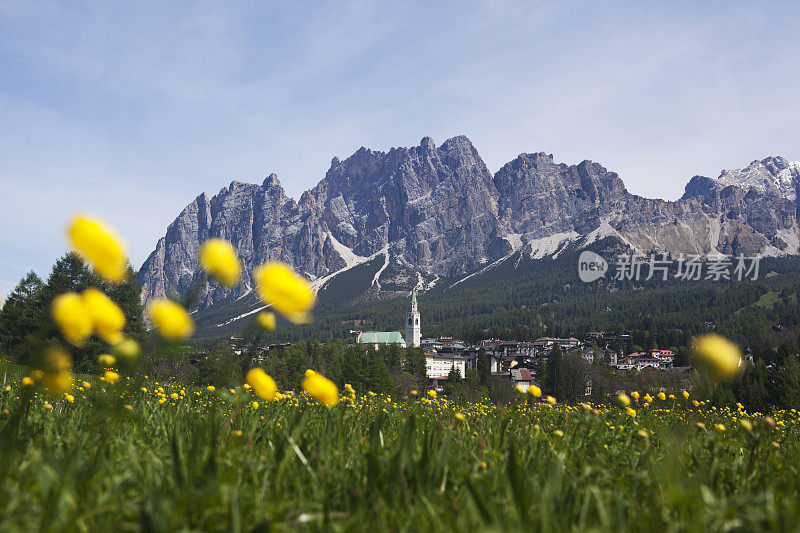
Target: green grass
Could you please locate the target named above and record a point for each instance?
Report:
(116, 459)
(768, 299)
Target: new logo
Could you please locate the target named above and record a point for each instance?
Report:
(591, 266)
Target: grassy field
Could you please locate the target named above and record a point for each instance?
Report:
(141, 455)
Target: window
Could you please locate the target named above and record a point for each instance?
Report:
(416, 321)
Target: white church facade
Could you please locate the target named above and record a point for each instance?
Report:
(413, 332)
(413, 335)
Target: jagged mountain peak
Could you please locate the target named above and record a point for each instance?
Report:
(439, 211)
(774, 176)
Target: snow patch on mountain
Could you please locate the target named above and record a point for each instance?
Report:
(552, 244)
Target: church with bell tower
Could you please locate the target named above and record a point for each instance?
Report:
(413, 335)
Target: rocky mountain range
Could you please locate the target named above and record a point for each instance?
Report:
(429, 211)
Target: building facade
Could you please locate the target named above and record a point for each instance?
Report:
(413, 335)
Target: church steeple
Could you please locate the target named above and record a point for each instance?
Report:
(413, 334)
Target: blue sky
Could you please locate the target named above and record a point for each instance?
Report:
(130, 111)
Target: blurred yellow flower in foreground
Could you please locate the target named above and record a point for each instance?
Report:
(631, 412)
(171, 319)
(57, 378)
(98, 244)
(291, 295)
(262, 384)
(535, 391)
(460, 416)
(110, 377)
(72, 317)
(106, 359)
(266, 320)
(321, 388)
(551, 400)
(127, 349)
(107, 318)
(218, 258)
(624, 400)
(719, 355)
(27, 382)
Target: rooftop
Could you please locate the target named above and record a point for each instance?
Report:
(380, 337)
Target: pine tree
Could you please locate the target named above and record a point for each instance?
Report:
(21, 315)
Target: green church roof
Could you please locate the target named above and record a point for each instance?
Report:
(381, 337)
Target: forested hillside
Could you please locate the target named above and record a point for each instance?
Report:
(522, 298)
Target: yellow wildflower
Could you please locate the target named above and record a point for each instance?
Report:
(127, 349)
(551, 400)
(211, 388)
(719, 355)
(262, 384)
(292, 295)
(321, 388)
(631, 412)
(70, 398)
(661, 396)
(27, 382)
(56, 378)
(98, 244)
(48, 406)
(558, 433)
(106, 359)
(432, 393)
(58, 383)
(521, 388)
(110, 377)
(172, 320)
(107, 318)
(218, 258)
(746, 424)
(72, 317)
(460, 416)
(535, 391)
(720, 427)
(624, 400)
(635, 395)
(685, 395)
(266, 320)
(174, 396)
(86, 385)
(255, 405)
